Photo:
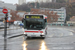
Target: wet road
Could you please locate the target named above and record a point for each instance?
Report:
(58, 38)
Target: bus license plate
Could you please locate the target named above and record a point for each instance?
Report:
(33, 35)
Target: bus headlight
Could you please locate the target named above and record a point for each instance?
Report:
(42, 33)
(24, 32)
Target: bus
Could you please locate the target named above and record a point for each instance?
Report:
(35, 25)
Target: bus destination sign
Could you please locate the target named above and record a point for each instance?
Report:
(34, 16)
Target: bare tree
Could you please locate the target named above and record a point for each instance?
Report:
(52, 17)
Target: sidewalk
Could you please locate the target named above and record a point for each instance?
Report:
(12, 32)
(12, 27)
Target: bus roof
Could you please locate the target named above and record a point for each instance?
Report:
(34, 14)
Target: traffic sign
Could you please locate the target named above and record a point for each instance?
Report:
(5, 11)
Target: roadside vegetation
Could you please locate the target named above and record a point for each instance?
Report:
(70, 7)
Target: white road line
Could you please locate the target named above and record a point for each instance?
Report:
(51, 35)
(71, 33)
(58, 43)
(63, 48)
(61, 34)
(23, 29)
(72, 30)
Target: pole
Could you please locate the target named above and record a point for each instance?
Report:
(5, 32)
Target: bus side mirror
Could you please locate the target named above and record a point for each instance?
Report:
(22, 20)
(45, 20)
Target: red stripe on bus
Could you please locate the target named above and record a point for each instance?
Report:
(35, 31)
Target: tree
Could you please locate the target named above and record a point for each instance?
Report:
(23, 7)
(70, 10)
(61, 1)
(52, 17)
(15, 16)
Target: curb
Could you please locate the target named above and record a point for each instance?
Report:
(14, 36)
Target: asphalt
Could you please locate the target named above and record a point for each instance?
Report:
(58, 38)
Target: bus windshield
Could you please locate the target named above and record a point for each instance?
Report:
(34, 24)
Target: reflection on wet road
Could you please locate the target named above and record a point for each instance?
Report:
(43, 46)
(24, 45)
(56, 39)
(38, 44)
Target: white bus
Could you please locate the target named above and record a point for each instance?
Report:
(35, 25)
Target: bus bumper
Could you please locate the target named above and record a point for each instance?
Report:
(33, 35)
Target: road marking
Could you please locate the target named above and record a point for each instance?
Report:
(61, 34)
(51, 35)
(23, 29)
(62, 47)
(72, 30)
(59, 43)
(71, 33)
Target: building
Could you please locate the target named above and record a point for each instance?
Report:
(45, 1)
(71, 1)
(55, 16)
(21, 2)
(7, 5)
(62, 15)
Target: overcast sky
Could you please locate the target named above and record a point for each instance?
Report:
(14, 1)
